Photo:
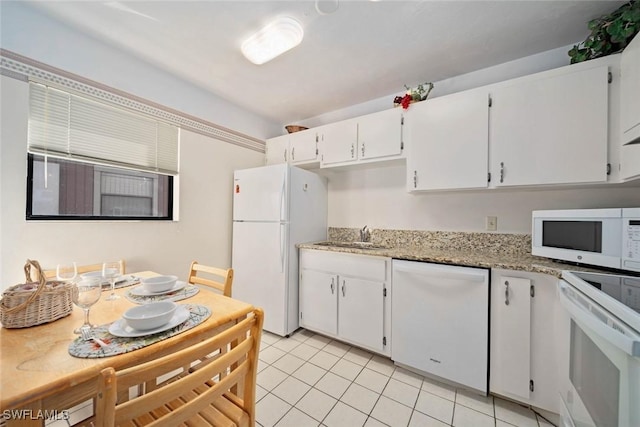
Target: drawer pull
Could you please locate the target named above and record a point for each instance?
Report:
(506, 292)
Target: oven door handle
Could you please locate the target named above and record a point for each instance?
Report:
(628, 341)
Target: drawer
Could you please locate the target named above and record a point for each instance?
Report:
(363, 266)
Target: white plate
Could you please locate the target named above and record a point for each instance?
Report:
(140, 291)
(119, 328)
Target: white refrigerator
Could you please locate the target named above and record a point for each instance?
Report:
(274, 208)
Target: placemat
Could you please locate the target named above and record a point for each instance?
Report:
(184, 293)
(119, 345)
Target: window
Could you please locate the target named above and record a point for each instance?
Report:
(64, 189)
(91, 160)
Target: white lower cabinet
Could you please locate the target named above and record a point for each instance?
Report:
(318, 301)
(523, 359)
(512, 330)
(346, 297)
(361, 312)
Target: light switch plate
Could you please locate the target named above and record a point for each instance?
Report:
(491, 223)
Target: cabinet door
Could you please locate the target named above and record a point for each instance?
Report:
(511, 336)
(630, 110)
(550, 130)
(361, 312)
(630, 91)
(380, 134)
(303, 146)
(318, 301)
(276, 150)
(449, 142)
(339, 142)
(630, 162)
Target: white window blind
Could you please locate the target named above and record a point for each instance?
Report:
(65, 125)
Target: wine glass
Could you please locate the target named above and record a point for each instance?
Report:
(111, 270)
(86, 293)
(66, 272)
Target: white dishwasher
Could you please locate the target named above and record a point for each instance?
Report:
(440, 321)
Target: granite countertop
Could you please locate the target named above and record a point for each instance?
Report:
(507, 261)
(470, 249)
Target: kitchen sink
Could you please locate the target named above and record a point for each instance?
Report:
(353, 245)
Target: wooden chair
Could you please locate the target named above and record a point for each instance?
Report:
(223, 286)
(198, 396)
(51, 274)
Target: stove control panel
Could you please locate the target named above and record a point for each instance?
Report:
(631, 239)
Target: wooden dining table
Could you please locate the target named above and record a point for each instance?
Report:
(38, 376)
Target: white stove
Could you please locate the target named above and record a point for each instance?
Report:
(600, 350)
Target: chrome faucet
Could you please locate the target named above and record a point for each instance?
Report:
(365, 234)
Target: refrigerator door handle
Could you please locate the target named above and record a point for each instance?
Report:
(282, 201)
(282, 243)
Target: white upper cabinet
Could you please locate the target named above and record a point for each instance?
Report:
(303, 147)
(370, 138)
(630, 111)
(630, 88)
(380, 134)
(338, 142)
(550, 128)
(277, 150)
(449, 144)
(298, 148)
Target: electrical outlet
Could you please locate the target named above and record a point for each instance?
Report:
(491, 223)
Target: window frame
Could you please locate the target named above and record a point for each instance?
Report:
(30, 216)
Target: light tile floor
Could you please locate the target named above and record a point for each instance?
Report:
(309, 380)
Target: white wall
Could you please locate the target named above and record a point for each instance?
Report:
(31, 33)
(203, 232)
(509, 70)
(378, 198)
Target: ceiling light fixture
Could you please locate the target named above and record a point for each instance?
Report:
(274, 39)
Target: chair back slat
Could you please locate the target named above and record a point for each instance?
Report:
(199, 392)
(224, 276)
(51, 274)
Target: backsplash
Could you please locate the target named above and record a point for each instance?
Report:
(514, 244)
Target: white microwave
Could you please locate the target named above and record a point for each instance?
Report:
(598, 237)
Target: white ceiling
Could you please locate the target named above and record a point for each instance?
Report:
(363, 51)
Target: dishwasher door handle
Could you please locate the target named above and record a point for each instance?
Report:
(453, 275)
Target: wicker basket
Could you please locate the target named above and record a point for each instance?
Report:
(49, 301)
(295, 128)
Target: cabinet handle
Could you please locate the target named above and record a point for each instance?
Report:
(343, 288)
(332, 285)
(293, 153)
(501, 171)
(506, 292)
(362, 149)
(353, 149)
(415, 179)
